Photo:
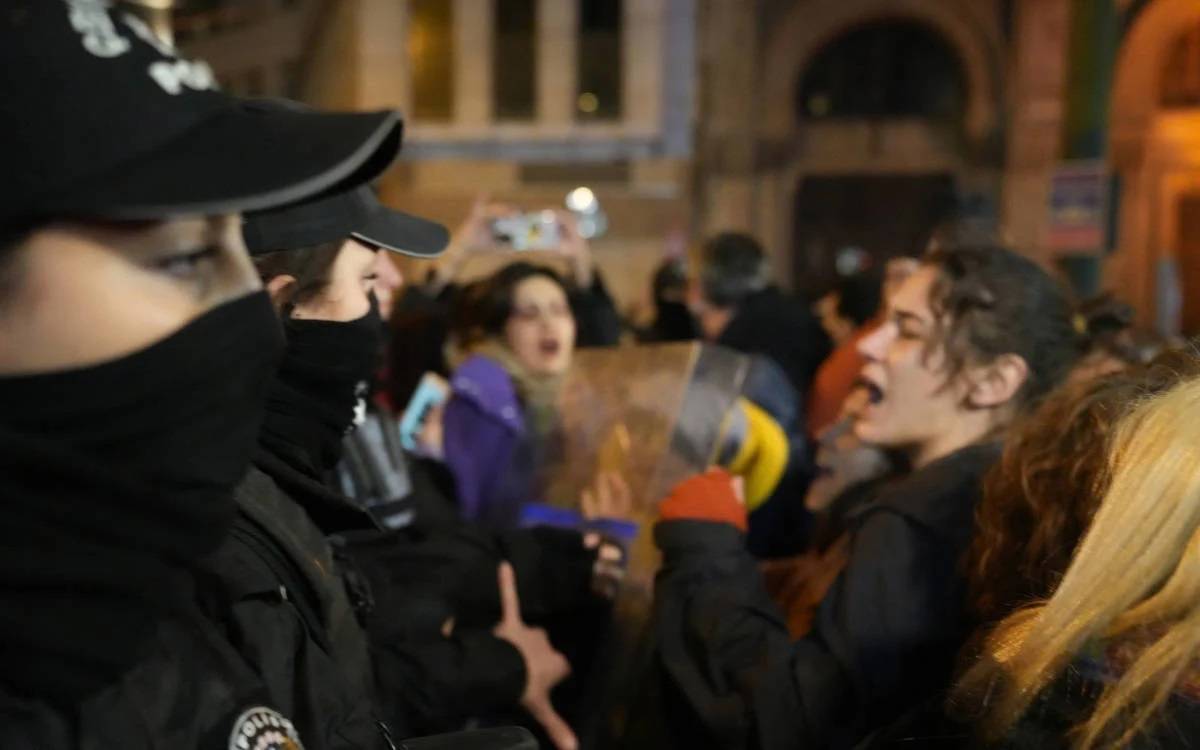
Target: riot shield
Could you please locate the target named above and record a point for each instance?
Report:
(655, 414)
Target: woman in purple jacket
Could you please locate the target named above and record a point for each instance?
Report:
(500, 421)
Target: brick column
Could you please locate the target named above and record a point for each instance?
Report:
(473, 61)
(643, 49)
(557, 76)
(1037, 79)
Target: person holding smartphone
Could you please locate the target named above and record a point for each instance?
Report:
(599, 323)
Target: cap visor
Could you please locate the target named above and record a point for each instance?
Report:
(245, 158)
(405, 234)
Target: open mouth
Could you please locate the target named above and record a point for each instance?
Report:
(549, 347)
(874, 390)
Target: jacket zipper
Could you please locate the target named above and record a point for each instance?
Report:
(292, 582)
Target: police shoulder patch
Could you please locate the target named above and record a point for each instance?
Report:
(262, 728)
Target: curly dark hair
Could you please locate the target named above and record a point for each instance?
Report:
(990, 301)
(1110, 326)
(1039, 497)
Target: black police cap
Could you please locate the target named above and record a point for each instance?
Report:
(102, 120)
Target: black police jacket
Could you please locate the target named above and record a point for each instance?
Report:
(344, 622)
(286, 610)
(189, 690)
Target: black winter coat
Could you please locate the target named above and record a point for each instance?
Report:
(597, 322)
(190, 690)
(781, 327)
(1046, 726)
(884, 639)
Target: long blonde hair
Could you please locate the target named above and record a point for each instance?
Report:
(1135, 578)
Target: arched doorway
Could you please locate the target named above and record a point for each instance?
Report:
(1187, 253)
(939, 146)
(886, 80)
(1179, 98)
(885, 69)
(1155, 148)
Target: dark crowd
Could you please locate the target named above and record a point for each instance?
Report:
(261, 492)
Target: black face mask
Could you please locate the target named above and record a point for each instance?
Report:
(181, 414)
(321, 388)
(115, 479)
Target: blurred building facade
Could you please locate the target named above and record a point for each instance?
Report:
(521, 100)
(815, 124)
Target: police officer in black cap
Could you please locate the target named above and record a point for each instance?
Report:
(300, 594)
(135, 349)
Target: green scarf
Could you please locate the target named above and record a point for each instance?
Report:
(539, 394)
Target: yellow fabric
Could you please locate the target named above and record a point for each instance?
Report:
(762, 457)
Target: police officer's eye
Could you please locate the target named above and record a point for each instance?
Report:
(186, 264)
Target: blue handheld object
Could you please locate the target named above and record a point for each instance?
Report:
(431, 392)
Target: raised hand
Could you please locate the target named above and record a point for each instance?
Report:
(608, 572)
(472, 236)
(475, 232)
(608, 497)
(576, 249)
(544, 666)
(714, 496)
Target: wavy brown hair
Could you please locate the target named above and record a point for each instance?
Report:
(1040, 496)
(1133, 584)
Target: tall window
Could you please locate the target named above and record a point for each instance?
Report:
(514, 60)
(599, 64)
(1181, 77)
(431, 58)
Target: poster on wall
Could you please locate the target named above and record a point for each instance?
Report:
(1078, 210)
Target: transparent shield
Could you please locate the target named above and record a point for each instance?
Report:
(653, 414)
(656, 415)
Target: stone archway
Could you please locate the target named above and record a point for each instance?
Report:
(810, 25)
(1156, 153)
(1140, 63)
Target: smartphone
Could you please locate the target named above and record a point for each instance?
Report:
(432, 391)
(532, 231)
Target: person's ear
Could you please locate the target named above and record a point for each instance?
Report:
(998, 383)
(279, 288)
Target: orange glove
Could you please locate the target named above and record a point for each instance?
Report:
(711, 496)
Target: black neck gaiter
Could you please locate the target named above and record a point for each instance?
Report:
(320, 389)
(114, 480)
